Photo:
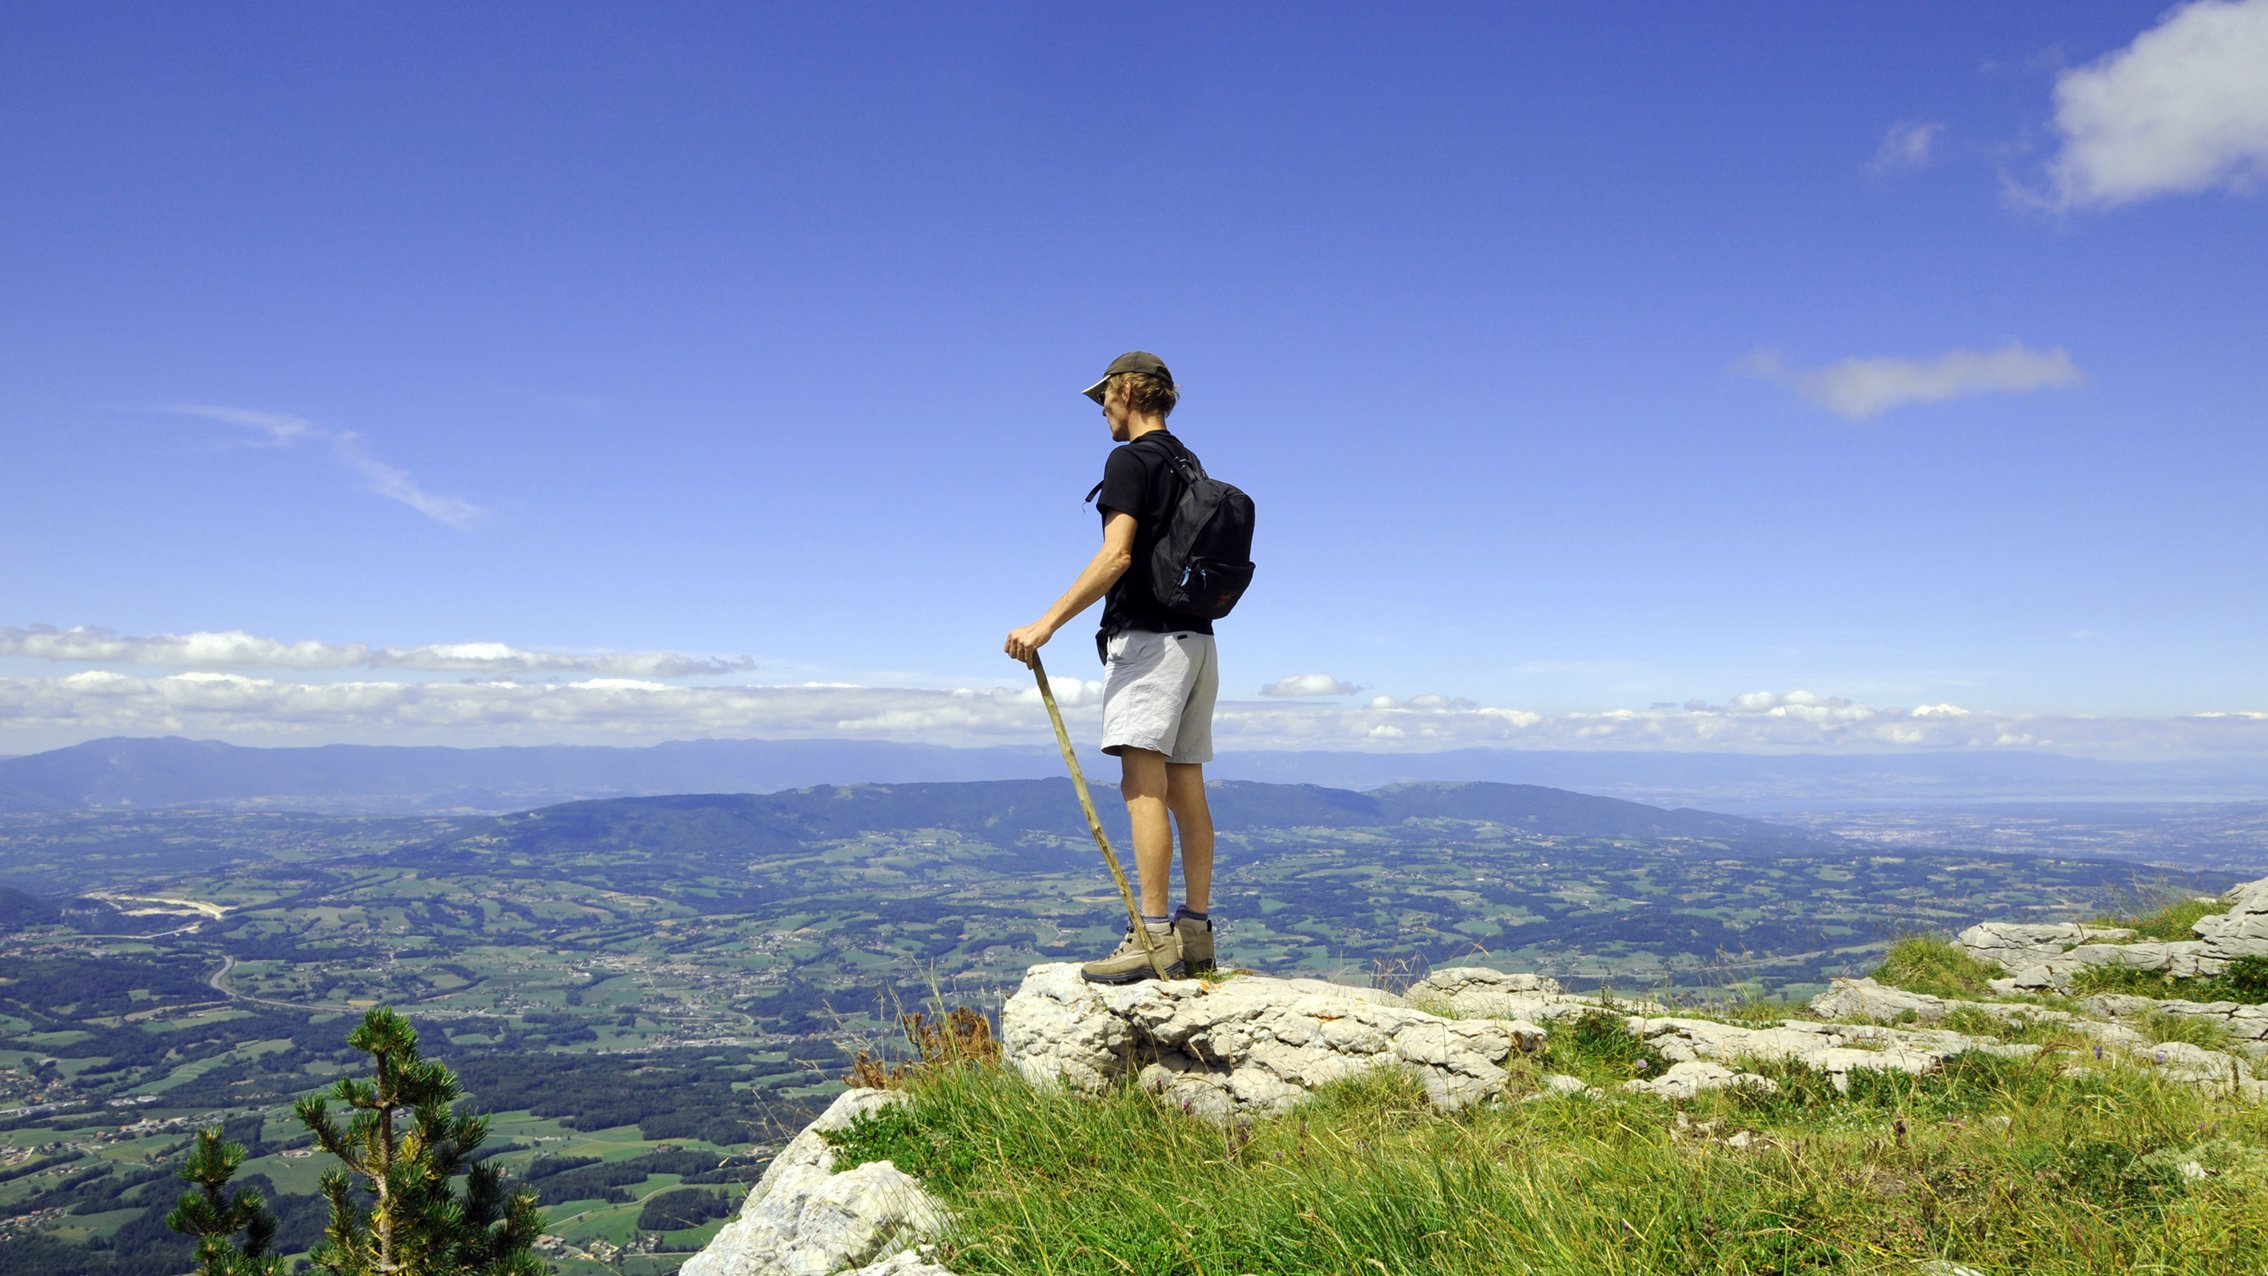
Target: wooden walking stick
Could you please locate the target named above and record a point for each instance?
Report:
(1094, 822)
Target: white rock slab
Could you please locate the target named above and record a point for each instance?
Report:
(1248, 1045)
(803, 1219)
(1684, 1080)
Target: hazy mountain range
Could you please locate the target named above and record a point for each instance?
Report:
(171, 772)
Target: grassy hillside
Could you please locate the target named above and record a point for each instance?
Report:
(2061, 1163)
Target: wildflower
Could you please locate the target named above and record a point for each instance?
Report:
(2098, 1053)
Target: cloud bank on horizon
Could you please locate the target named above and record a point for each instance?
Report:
(235, 649)
(629, 698)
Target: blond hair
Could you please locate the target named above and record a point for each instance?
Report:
(1147, 395)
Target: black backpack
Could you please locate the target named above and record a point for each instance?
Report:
(1202, 561)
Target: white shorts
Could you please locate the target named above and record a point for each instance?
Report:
(1158, 693)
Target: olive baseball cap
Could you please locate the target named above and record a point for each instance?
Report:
(1131, 361)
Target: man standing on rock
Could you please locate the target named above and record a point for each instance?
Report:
(1161, 677)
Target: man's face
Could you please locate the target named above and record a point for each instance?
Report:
(1114, 410)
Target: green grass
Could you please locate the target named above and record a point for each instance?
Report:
(2161, 1027)
(2245, 981)
(2006, 1165)
(1938, 967)
(2164, 919)
(1599, 1047)
(2019, 1029)
(1751, 1012)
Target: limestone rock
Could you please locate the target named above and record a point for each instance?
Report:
(1470, 990)
(803, 1219)
(1684, 1080)
(2185, 1062)
(2014, 944)
(1866, 999)
(1561, 1083)
(902, 1263)
(1248, 1045)
(2046, 957)
(2242, 931)
(2247, 1025)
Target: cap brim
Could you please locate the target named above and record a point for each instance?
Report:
(1095, 391)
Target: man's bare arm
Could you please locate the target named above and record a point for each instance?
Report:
(1109, 563)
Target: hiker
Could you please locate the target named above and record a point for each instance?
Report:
(1161, 677)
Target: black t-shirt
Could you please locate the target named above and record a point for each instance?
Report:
(1139, 479)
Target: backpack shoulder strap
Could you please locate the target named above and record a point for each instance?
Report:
(1186, 465)
(1182, 460)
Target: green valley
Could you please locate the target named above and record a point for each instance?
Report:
(649, 991)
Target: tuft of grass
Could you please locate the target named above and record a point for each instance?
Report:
(2019, 1028)
(1752, 1012)
(2042, 1164)
(1938, 967)
(961, 1035)
(2244, 981)
(2161, 1027)
(2165, 919)
(1598, 1046)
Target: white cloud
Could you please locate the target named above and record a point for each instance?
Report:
(1862, 389)
(235, 649)
(395, 484)
(347, 450)
(38, 713)
(279, 428)
(1309, 684)
(2183, 108)
(1909, 145)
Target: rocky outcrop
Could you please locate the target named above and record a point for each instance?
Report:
(2018, 944)
(1248, 1045)
(1684, 1080)
(1835, 1049)
(2045, 957)
(2241, 931)
(803, 1219)
(1470, 992)
(1254, 1045)
(2247, 1026)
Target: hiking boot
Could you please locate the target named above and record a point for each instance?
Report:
(1196, 936)
(1130, 964)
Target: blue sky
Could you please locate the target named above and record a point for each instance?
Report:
(1773, 376)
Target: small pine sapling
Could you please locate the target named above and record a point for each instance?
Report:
(395, 1210)
(214, 1215)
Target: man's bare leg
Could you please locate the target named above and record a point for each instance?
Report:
(1143, 782)
(1193, 820)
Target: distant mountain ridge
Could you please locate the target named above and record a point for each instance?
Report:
(678, 830)
(385, 779)
(159, 773)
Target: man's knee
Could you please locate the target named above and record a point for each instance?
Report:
(1185, 786)
(1142, 774)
